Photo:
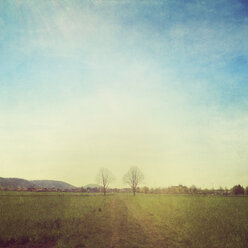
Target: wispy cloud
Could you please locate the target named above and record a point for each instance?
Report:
(108, 83)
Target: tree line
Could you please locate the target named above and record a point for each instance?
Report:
(135, 176)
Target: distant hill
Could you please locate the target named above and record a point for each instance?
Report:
(52, 184)
(13, 183)
(91, 186)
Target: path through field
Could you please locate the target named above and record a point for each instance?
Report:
(133, 227)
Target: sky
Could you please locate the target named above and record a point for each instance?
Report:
(162, 85)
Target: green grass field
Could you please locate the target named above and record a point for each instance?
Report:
(121, 220)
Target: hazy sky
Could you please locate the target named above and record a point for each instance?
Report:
(162, 85)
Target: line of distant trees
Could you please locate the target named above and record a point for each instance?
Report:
(133, 178)
(179, 189)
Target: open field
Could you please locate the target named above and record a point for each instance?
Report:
(121, 220)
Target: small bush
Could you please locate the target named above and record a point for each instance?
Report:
(238, 190)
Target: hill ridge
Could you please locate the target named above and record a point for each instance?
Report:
(14, 182)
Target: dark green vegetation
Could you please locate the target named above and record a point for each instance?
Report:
(52, 184)
(238, 190)
(121, 220)
(19, 183)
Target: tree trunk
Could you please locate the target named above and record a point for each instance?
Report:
(134, 191)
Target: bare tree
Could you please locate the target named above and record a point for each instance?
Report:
(133, 177)
(104, 177)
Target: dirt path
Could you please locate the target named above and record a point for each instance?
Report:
(115, 223)
(146, 222)
(133, 228)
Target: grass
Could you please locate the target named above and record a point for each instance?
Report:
(198, 221)
(122, 221)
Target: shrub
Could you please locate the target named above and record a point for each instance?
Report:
(238, 190)
(246, 190)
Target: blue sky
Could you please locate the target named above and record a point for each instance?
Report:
(157, 84)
